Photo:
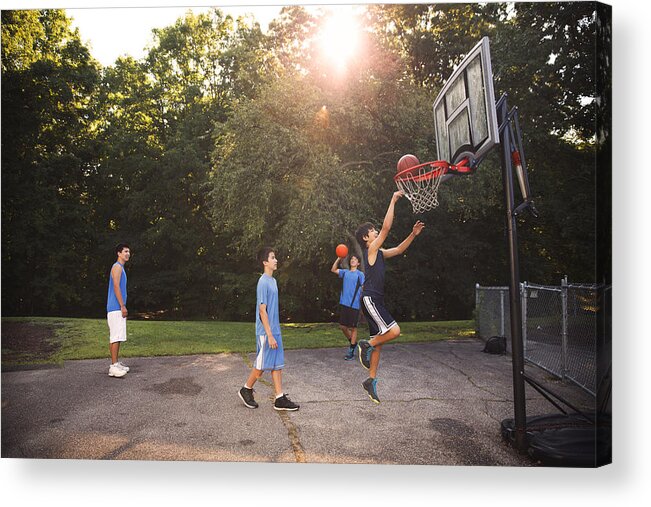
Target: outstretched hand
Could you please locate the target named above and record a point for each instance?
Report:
(397, 195)
(418, 227)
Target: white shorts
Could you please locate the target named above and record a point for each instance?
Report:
(117, 326)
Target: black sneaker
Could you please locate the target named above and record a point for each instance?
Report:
(370, 386)
(246, 395)
(284, 403)
(365, 349)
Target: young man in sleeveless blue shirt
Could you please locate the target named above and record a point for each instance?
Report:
(349, 300)
(270, 355)
(382, 326)
(116, 309)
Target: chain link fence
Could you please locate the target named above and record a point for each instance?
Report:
(493, 313)
(560, 326)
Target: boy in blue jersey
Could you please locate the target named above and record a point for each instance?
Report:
(349, 300)
(382, 326)
(269, 343)
(116, 309)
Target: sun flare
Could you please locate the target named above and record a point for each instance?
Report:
(339, 38)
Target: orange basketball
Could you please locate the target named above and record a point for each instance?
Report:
(407, 161)
(342, 250)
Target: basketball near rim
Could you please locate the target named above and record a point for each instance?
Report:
(342, 250)
(407, 161)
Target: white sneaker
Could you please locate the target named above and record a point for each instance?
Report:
(120, 364)
(116, 371)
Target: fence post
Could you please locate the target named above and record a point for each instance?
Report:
(564, 328)
(502, 332)
(523, 297)
(477, 315)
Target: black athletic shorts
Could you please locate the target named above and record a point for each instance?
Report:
(348, 316)
(378, 317)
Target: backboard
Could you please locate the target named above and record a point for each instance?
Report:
(465, 118)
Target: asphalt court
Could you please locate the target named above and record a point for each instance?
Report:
(442, 404)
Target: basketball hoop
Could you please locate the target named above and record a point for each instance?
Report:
(420, 183)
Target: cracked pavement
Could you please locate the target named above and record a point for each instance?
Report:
(442, 404)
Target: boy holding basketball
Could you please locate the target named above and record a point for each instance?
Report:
(269, 344)
(349, 300)
(382, 326)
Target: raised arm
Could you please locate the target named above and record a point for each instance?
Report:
(335, 266)
(400, 249)
(386, 227)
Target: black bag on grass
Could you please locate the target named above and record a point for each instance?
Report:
(495, 345)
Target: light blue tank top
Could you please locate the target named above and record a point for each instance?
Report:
(112, 303)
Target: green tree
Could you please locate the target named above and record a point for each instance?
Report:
(307, 160)
(543, 58)
(224, 138)
(48, 79)
(158, 121)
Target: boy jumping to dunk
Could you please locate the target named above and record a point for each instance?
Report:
(382, 326)
(269, 343)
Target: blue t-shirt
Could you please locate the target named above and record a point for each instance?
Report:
(351, 278)
(112, 303)
(267, 294)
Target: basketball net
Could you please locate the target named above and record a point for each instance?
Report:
(421, 183)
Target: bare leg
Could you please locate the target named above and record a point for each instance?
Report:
(346, 332)
(277, 377)
(353, 335)
(391, 334)
(377, 342)
(375, 361)
(253, 377)
(114, 349)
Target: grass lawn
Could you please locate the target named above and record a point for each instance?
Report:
(67, 339)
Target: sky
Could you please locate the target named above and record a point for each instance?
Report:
(97, 26)
(98, 20)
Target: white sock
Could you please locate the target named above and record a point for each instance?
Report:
(246, 387)
(280, 395)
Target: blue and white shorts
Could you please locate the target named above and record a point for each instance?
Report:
(378, 317)
(266, 358)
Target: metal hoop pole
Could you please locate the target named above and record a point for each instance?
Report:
(517, 352)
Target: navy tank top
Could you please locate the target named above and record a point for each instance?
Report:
(374, 275)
